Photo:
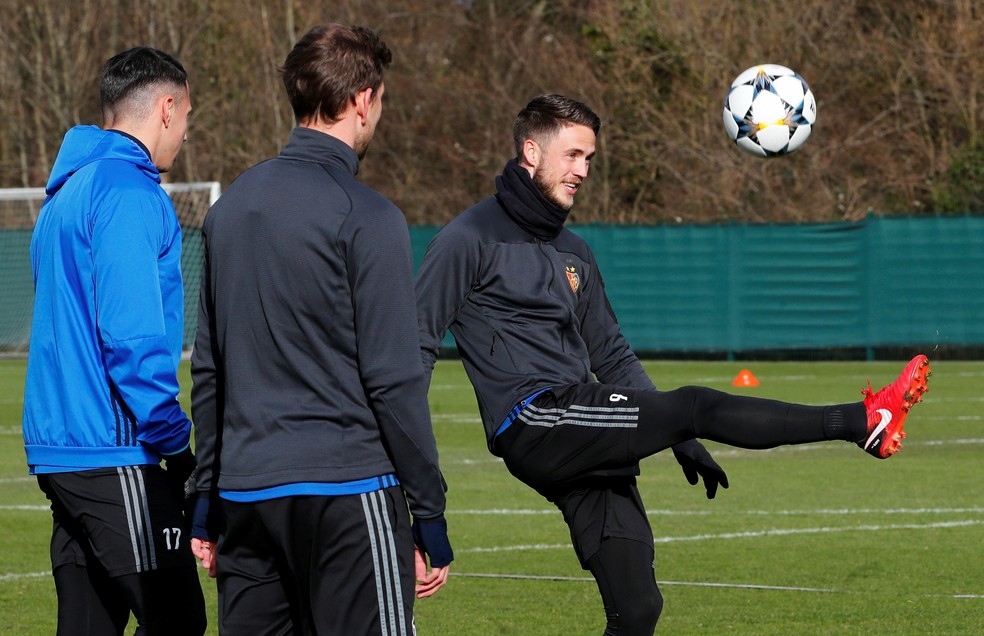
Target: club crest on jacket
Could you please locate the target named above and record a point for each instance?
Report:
(573, 278)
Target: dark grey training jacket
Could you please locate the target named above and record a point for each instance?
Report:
(526, 314)
(306, 365)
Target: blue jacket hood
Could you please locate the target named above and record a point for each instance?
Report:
(85, 144)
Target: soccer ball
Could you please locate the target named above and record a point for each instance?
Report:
(769, 110)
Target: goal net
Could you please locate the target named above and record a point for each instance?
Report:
(19, 209)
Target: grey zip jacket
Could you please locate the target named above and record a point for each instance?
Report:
(526, 314)
(306, 365)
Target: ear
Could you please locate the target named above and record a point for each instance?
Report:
(166, 107)
(532, 153)
(363, 100)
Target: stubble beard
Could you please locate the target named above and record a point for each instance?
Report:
(541, 182)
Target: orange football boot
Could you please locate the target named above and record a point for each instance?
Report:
(887, 408)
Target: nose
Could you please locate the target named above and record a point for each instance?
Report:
(581, 168)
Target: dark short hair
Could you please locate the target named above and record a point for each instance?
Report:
(329, 66)
(133, 70)
(545, 115)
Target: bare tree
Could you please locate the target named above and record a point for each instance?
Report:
(898, 84)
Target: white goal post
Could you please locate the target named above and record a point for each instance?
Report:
(19, 208)
(32, 198)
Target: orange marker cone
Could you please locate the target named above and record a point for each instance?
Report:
(745, 378)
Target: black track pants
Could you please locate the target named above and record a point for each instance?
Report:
(623, 569)
(584, 429)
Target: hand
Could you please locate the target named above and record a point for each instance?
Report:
(430, 538)
(696, 463)
(205, 552)
(428, 582)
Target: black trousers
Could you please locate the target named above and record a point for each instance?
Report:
(118, 547)
(625, 573)
(580, 430)
(580, 445)
(162, 602)
(317, 565)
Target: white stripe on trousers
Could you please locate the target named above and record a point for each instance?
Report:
(138, 518)
(389, 592)
(577, 415)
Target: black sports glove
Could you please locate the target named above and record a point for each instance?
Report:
(697, 462)
(432, 537)
(180, 475)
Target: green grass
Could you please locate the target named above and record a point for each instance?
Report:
(815, 540)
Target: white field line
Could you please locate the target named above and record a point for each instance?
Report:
(742, 586)
(521, 512)
(782, 532)
(744, 535)
(725, 451)
(18, 480)
(588, 579)
(838, 445)
(21, 576)
(37, 575)
(537, 577)
(763, 513)
(526, 512)
(733, 535)
(470, 418)
(485, 459)
(774, 532)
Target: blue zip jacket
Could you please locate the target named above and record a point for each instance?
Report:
(102, 387)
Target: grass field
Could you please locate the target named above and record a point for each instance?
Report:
(819, 539)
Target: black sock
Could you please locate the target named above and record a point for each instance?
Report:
(845, 421)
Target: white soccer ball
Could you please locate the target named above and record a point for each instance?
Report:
(769, 110)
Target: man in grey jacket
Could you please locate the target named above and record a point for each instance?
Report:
(564, 400)
(312, 424)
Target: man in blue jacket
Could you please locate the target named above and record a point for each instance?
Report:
(101, 399)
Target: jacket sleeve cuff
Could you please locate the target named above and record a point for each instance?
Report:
(203, 525)
(432, 537)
